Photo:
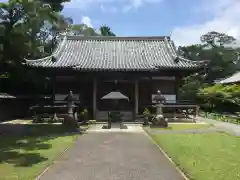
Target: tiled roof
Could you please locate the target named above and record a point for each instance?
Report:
(115, 53)
(233, 79)
(6, 96)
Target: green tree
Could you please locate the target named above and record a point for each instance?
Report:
(24, 22)
(83, 29)
(25, 29)
(106, 31)
(221, 97)
(56, 5)
(222, 62)
(214, 38)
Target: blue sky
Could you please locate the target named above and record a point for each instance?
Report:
(185, 20)
(150, 18)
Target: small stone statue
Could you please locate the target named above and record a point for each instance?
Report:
(159, 120)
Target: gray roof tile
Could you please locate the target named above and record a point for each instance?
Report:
(235, 78)
(115, 53)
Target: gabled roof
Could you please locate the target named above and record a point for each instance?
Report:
(233, 79)
(115, 54)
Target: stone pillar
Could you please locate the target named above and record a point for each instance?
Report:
(94, 98)
(136, 93)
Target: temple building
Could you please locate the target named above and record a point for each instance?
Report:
(137, 67)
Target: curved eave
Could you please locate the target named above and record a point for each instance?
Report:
(195, 64)
(54, 55)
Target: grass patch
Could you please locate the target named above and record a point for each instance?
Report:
(18, 121)
(25, 156)
(221, 117)
(208, 156)
(35, 129)
(184, 126)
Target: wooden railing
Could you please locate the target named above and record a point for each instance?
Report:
(177, 112)
(180, 111)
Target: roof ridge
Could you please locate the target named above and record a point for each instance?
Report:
(130, 38)
(169, 48)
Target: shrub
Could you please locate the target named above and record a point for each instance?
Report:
(84, 115)
(84, 112)
(220, 97)
(146, 112)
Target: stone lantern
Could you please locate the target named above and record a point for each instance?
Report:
(159, 119)
(70, 100)
(160, 99)
(69, 119)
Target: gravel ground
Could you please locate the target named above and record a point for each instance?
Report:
(113, 156)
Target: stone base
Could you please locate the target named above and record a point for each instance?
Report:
(70, 122)
(106, 127)
(145, 124)
(159, 122)
(123, 126)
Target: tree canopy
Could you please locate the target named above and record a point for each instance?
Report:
(30, 29)
(56, 5)
(223, 62)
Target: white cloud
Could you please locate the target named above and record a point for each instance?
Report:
(106, 8)
(86, 20)
(225, 19)
(109, 5)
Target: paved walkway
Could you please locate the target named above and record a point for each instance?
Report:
(224, 126)
(113, 156)
(115, 128)
(186, 131)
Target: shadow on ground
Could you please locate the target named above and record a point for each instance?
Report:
(21, 144)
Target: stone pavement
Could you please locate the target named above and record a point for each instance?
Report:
(113, 156)
(186, 131)
(234, 129)
(115, 128)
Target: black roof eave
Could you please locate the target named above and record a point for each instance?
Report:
(117, 70)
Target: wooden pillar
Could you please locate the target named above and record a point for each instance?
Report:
(177, 86)
(150, 83)
(53, 88)
(94, 98)
(136, 93)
